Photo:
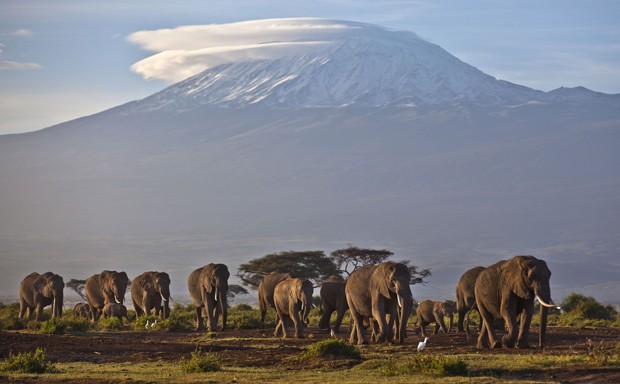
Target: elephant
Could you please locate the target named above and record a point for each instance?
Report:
(81, 310)
(114, 309)
(507, 290)
(148, 291)
(37, 292)
(374, 292)
(265, 292)
(208, 287)
(333, 298)
(103, 288)
(465, 297)
(292, 299)
(434, 312)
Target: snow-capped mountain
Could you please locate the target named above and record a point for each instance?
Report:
(362, 65)
(313, 134)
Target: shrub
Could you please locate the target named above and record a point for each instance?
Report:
(28, 362)
(177, 321)
(201, 362)
(330, 349)
(110, 324)
(242, 318)
(8, 317)
(587, 307)
(58, 326)
(436, 365)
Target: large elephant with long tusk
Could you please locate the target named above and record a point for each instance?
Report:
(208, 287)
(150, 292)
(507, 290)
(103, 288)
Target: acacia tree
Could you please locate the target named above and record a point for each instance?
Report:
(77, 286)
(313, 265)
(351, 258)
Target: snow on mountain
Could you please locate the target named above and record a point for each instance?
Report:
(359, 64)
(411, 150)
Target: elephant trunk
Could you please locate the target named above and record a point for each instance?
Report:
(223, 304)
(57, 304)
(543, 325)
(405, 311)
(544, 298)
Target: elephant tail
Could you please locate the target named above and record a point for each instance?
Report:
(475, 306)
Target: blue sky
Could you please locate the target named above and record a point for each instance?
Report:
(63, 59)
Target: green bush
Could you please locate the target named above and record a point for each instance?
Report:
(587, 308)
(240, 317)
(28, 362)
(332, 349)
(9, 319)
(436, 365)
(177, 321)
(201, 362)
(110, 324)
(58, 326)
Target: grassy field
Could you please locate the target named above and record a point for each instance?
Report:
(74, 350)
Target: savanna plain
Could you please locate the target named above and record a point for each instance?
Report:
(73, 350)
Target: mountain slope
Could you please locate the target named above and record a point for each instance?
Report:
(421, 154)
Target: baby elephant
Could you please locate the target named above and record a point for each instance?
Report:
(82, 310)
(434, 312)
(114, 309)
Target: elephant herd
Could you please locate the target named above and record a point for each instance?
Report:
(378, 297)
(502, 293)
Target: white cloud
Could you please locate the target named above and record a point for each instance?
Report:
(22, 33)
(188, 50)
(14, 65)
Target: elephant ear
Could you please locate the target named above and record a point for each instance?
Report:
(207, 276)
(515, 275)
(144, 282)
(382, 277)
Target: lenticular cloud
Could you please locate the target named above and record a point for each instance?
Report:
(188, 50)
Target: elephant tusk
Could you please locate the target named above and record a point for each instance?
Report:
(215, 293)
(400, 304)
(162, 297)
(543, 303)
(116, 299)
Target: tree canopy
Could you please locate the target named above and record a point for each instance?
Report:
(351, 258)
(77, 286)
(313, 265)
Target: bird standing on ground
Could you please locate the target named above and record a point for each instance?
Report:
(147, 324)
(332, 333)
(153, 325)
(422, 344)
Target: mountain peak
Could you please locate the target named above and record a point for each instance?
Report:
(318, 63)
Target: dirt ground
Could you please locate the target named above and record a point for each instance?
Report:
(257, 348)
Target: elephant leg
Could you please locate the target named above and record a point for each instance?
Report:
(299, 325)
(524, 326)
(22, 309)
(325, 317)
(209, 308)
(423, 325)
(338, 322)
(487, 331)
(379, 316)
(199, 321)
(357, 333)
(439, 322)
(461, 320)
(510, 336)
